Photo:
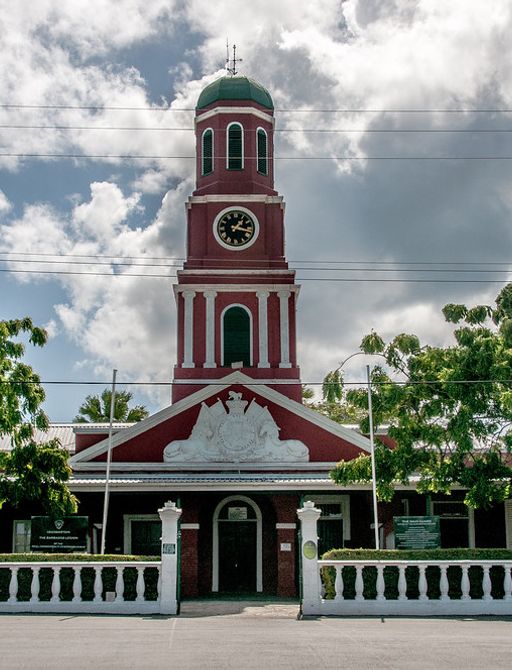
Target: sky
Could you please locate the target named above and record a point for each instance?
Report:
(393, 145)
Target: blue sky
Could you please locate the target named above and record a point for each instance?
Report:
(59, 59)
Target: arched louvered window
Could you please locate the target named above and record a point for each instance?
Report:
(262, 151)
(207, 152)
(236, 336)
(235, 147)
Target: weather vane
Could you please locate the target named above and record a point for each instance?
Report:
(231, 63)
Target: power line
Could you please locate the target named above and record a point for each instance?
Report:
(276, 130)
(256, 382)
(255, 158)
(250, 264)
(228, 276)
(302, 110)
(192, 258)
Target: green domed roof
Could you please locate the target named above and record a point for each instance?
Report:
(235, 88)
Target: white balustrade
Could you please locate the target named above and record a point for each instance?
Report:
(425, 582)
(59, 587)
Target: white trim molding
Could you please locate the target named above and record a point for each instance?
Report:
(284, 327)
(210, 296)
(263, 328)
(188, 329)
(286, 526)
(259, 541)
(189, 526)
(235, 110)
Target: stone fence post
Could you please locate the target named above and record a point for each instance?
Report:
(169, 566)
(308, 517)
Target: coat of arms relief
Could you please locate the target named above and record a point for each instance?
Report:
(245, 433)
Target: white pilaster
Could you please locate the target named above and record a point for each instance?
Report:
(284, 297)
(188, 329)
(210, 329)
(169, 565)
(263, 328)
(308, 516)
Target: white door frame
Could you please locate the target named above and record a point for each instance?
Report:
(259, 542)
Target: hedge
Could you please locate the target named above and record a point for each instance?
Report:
(432, 572)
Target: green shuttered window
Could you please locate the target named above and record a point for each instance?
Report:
(207, 152)
(262, 151)
(237, 336)
(235, 147)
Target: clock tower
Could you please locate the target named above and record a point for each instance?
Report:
(236, 298)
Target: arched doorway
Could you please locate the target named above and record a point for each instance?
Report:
(237, 546)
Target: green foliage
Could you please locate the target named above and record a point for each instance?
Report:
(451, 414)
(96, 409)
(29, 471)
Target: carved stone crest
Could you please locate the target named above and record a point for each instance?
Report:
(247, 432)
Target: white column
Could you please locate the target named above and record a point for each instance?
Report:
(169, 566)
(188, 328)
(284, 297)
(308, 516)
(263, 328)
(210, 329)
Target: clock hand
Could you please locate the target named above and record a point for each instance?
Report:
(237, 226)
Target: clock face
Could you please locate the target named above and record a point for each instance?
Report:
(236, 228)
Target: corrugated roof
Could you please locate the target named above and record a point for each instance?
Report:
(65, 433)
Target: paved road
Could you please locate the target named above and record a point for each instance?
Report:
(251, 635)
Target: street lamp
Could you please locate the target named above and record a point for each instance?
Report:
(372, 445)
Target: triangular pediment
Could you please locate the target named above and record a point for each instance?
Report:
(326, 441)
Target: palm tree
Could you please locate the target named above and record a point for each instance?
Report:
(96, 409)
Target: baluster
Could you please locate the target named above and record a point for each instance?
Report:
(464, 583)
(13, 586)
(140, 585)
(443, 584)
(338, 583)
(486, 585)
(55, 585)
(422, 583)
(507, 583)
(359, 582)
(402, 583)
(119, 584)
(380, 583)
(34, 588)
(77, 585)
(98, 586)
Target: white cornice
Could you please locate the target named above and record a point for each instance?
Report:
(238, 288)
(235, 197)
(274, 382)
(235, 110)
(213, 390)
(141, 467)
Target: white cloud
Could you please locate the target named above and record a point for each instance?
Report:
(5, 205)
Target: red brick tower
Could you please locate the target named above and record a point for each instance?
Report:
(236, 297)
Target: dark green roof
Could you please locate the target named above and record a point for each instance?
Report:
(235, 88)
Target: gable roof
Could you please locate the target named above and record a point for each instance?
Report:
(212, 390)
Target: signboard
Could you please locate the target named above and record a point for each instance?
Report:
(63, 535)
(309, 549)
(168, 548)
(237, 513)
(417, 532)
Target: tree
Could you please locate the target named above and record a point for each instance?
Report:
(28, 471)
(337, 409)
(96, 409)
(450, 413)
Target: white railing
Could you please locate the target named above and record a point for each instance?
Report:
(341, 593)
(107, 595)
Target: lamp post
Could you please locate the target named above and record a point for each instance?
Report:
(372, 445)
